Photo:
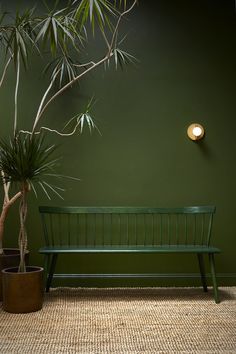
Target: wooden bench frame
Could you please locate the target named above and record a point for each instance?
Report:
(166, 220)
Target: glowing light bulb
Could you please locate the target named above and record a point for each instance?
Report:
(197, 131)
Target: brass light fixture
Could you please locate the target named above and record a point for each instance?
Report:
(195, 132)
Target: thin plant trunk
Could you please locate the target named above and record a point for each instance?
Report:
(23, 233)
(16, 91)
(5, 209)
(3, 216)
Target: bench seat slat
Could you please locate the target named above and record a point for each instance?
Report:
(130, 249)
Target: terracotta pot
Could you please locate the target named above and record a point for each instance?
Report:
(22, 292)
(10, 258)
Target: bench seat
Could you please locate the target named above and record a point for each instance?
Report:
(129, 249)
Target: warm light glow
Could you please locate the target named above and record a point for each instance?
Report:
(197, 131)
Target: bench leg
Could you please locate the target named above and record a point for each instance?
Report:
(51, 272)
(46, 268)
(213, 273)
(202, 271)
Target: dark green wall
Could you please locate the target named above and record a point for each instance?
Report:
(186, 73)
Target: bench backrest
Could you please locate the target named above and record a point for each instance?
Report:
(133, 226)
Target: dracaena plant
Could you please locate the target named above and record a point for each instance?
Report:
(28, 162)
(63, 33)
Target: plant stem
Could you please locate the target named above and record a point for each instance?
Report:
(16, 91)
(5, 70)
(23, 233)
(43, 99)
(6, 206)
(117, 26)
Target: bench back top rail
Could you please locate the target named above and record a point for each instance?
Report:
(131, 226)
(126, 210)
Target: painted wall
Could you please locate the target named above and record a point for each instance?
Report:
(186, 73)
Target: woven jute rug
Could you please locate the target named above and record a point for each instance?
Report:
(124, 320)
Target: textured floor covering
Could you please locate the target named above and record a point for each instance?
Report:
(128, 320)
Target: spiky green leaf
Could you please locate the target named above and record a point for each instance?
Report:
(28, 159)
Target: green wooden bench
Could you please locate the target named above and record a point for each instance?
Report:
(128, 230)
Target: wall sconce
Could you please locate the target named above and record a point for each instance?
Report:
(195, 131)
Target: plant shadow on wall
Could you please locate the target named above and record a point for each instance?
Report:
(27, 162)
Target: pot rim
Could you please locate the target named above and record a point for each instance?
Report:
(31, 269)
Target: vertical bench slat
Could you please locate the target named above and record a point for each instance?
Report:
(168, 228)
(153, 241)
(119, 228)
(177, 228)
(45, 230)
(51, 230)
(60, 230)
(94, 230)
(209, 230)
(85, 216)
(102, 230)
(144, 230)
(186, 228)
(161, 229)
(77, 229)
(135, 229)
(68, 230)
(202, 228)
(127, 229)
(110, 229)
(194, 229)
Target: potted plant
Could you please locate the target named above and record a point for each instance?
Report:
(26, 159)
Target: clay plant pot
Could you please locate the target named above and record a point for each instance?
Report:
(22, 292)
(10, 258)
